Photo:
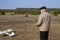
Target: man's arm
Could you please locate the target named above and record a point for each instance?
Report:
(39, 23)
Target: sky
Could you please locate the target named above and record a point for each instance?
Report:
(13, 4)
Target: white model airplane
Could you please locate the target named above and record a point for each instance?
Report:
(8, 32)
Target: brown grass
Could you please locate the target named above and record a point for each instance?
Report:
(25, 27)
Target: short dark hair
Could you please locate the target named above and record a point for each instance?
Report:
(43, 7)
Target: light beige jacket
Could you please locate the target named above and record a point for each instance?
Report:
(44, 22)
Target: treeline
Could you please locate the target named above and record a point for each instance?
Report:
(32, 11)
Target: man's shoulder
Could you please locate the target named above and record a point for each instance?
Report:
(44, 14)
(47, 14)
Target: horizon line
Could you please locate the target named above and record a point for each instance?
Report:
(23, 8)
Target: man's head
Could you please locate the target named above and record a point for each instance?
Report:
(43, 9)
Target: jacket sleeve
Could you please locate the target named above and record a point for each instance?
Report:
(39, 23)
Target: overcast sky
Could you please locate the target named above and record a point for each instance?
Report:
(12, 4)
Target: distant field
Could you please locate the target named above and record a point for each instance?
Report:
(25, 27)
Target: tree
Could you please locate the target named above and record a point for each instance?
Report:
(55, 13)
(2, 13)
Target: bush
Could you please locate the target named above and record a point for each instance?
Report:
(55, 13)
(11, 14)
(35, 12)
(15, 12)
(2, 13)
(26, 15)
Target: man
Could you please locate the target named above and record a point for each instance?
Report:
(44, 23)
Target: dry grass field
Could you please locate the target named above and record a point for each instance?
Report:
(25, 27)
